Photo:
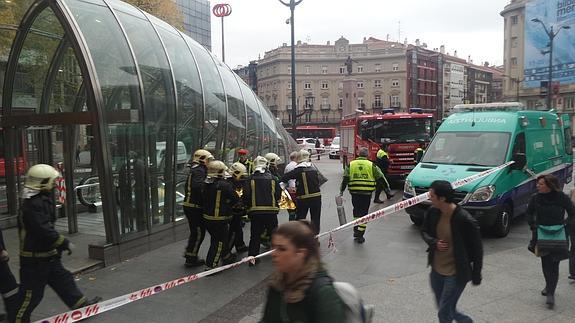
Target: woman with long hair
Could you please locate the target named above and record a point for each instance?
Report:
(300, 289)
(546, 211)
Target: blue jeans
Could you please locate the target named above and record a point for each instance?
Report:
(447, 292)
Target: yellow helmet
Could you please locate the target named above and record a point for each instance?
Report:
(41, 177)
(202, 156)
(238, 170)
(217, 169)
(260, 164)
(303, 156)
(273, 159)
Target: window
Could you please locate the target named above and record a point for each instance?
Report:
(377, 101)
(307, 85)
(513, 61)
(289, 69)
(289, 85)
(340, 85)
(324, 101)
(514, 42)
(395, 67)
(377, 68)
(325, 118)
(360, 103)
(394, 83)
(360, 85)
(395, 101)
(307, 69)
(324, 69)
(377, 83)
(340, 105)
(324, 85)
(514, 20)
(360, 68)
(308, 117)
(342, 70)
(569, 103)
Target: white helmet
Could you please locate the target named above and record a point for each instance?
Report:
(273, 159)
(217, 169)
(260, 164)
(302, 156)
(238, 170)
(41, 177)
(202, 156)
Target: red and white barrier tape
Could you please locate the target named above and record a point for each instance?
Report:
(107, 305)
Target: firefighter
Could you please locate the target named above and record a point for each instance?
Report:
(261, 195)
(193, 206)
(307, 189)
(273, 161)
(291, 183)
(245, 160)
(236, 235)
(41, 247)
(382, 161)
(418, 154)
(218, 197)
(361, 177)
(8, 284)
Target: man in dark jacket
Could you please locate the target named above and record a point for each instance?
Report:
(382, 161)
(8, 284)
(307, 189)
(455, 251)
(193, 206)
(41, 247)
(261, 196)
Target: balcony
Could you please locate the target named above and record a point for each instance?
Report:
(325, 106)
(377, 105)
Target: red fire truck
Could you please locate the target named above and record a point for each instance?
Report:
(403, 133)
(326, 134)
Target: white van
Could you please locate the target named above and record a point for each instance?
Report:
(181, 153)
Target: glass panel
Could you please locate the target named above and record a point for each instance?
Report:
(120, 89)
(214, 98)
(269, 129)
(159, 111)
(6, 37)
(35, 59)
(66, 84)
(190, 113)
(235, 136)
(254, 125)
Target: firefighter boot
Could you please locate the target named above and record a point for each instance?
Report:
(192, 261)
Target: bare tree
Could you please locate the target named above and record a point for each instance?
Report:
(166, 10)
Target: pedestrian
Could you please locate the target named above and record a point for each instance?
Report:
(455, 251)
(236, 232)
(218, 198)
(307, 189)
(262, 193)
(8, 284)
(362, 176)
(245, 160)
(41, 247)
(78, 150)
(547, 208)
(317, 148)
(300, 289)
(193, 206)
(382, 161)
(291, 188)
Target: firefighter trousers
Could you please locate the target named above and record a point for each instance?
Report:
(218, 230)
(35, 274)
(9, 290)
(236, 234)
(360, 204)
(259, 224)
(314, 207)
(197, 230)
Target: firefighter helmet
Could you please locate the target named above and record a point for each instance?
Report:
(303, 156)
(217, 169)
(41, 177)
(260, 164)
(273, 159)
(202, 156)
(238, 170)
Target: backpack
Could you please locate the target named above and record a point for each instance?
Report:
(355, 310)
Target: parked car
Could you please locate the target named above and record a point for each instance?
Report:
(334, 148)
(181, 154)
(308, 144)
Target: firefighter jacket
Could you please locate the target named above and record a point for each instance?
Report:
(307, 181)
(38, 238)
(361, 176)
(239, 208)
(262, 193)
(249, 165)
(194, 185)
(382, 160)
(218, 198)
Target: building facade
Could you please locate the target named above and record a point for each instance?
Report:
(249, 74)
(197, 20)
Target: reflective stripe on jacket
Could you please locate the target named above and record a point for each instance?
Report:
(361, 177)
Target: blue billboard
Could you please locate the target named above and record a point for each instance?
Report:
(553, 13)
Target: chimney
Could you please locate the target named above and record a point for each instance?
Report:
(424, 45)
(328, 43)
(486, 64)
(387, 37)
(284, 44)
(405, 41)
(299, 42)
(417, 42)
(442, 49)
(364, 39)
(455, 53)
(469, 59)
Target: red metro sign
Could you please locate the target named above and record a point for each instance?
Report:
(222, 10)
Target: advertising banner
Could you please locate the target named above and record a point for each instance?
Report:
(553, 13)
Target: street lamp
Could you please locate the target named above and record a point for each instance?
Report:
(292, 4)
(551, 34)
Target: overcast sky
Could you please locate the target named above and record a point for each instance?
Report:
(472, 27)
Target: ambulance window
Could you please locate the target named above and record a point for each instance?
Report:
(519, 145)
(568, 141)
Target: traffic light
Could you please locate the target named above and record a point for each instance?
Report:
(543, 87)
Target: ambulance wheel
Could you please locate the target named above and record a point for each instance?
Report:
(503, 221)
(415, 220)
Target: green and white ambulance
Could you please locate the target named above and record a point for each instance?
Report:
(477, 137)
